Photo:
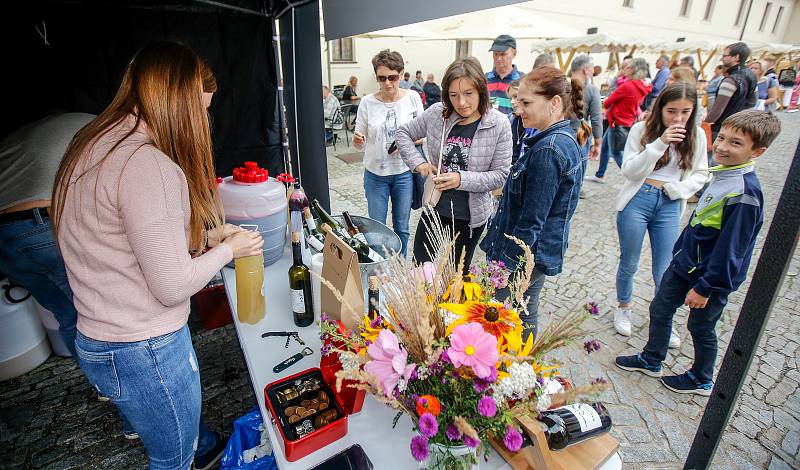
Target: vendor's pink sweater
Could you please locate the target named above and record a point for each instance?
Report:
(123, 237)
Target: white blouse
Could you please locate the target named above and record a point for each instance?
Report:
(379, 122)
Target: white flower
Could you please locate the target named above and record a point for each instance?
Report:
(543, 402)
(521, 380)
(349, 361)
(402, 384)
(422, 372)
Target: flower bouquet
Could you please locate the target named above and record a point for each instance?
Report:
(447, 353)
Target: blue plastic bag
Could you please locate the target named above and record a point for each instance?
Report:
(246, 435)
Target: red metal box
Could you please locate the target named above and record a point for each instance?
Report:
(302, 431)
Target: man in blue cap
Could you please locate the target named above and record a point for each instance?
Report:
(504, 49)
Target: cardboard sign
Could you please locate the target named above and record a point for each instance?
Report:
(340, 268)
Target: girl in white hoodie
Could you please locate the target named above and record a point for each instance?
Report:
(664, 163)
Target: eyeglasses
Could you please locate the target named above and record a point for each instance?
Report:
(392, 78)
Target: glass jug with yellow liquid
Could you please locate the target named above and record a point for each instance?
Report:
(250, 306)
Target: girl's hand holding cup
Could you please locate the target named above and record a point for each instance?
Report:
(675, 133)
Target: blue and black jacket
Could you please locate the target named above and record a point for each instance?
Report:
(714, 250)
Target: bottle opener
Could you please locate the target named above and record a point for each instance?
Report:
(293, 359)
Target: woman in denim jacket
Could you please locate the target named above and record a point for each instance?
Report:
(541, 192)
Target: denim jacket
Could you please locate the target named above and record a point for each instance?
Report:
(539, 198)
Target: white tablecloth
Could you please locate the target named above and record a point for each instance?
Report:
(387, 448)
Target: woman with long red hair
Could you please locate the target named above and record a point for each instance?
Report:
(133, 198)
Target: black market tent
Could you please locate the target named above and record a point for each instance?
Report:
(70, 55)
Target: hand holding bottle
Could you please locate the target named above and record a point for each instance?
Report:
(215, 237)
(245, 243)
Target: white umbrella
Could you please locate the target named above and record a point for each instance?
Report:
(520, 23)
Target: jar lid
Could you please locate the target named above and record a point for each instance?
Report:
(250, 173)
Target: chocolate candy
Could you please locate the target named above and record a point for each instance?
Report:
(325, 418)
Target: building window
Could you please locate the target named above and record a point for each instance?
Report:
(627, 3)
(767, 9)
(741, 12)
(686, 5)
(777, 20)
(709, 10)
(342, 50)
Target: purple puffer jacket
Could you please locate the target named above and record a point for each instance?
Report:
(489, 154)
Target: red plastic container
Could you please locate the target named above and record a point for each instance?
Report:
(212, 305)
(299, 448)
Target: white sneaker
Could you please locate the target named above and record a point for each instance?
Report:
(596, 179)
(674, 340)
(622, 321)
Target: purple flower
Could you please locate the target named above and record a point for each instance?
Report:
(419, 448)
(470, 442)
(513, 439)
(487, 407)
(376, 322)
(593, 308)
(492, 376)
(428, 426)
(591, 346)
(479, 385)
(326, 349)
(599, 381)
(324, 318)
(452, 432)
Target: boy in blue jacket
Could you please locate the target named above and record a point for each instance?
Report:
(711, 257)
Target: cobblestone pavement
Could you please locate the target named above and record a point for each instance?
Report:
(50, 418)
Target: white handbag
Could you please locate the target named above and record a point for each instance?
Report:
(431, 195)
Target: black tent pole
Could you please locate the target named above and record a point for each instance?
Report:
(302, 91)
(772, 265)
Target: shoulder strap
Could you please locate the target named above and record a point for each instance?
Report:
(441, 146)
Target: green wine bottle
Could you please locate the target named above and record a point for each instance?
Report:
(314, 239)
(352, 229)
(300, 286)
(324, 216)
(361, 249)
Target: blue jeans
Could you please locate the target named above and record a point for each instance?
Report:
(605, 153)
(29, 256)
(702, 324)
(400, 188)
(531, 320)
(652, 211)
(156, 384)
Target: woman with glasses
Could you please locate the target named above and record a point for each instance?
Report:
(379, 117)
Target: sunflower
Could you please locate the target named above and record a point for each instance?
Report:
(495, 319)
(371, 328)
(470, 290)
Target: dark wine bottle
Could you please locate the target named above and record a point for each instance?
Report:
(361, 249)
(373, 297)
(352, 229)
(574, 423)
(324, 216)
(315, 239)
(300, 286)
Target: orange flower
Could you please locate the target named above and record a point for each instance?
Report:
(503, 324)
(428, 404)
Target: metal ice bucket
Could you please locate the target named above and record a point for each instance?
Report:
(380, 238)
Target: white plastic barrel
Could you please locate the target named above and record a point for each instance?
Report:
(51, 326)
(23, 342)
(250, 197)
